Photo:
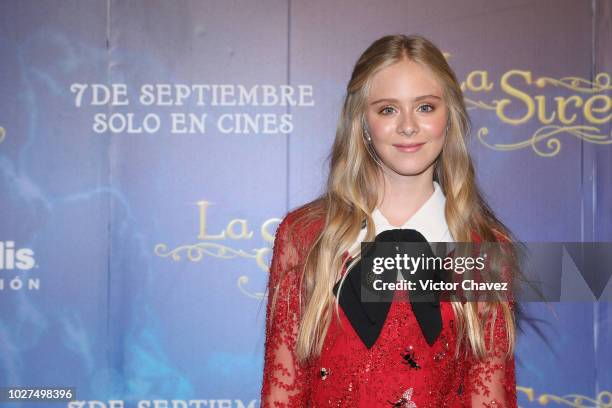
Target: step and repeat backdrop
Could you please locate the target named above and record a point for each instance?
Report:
(148, 150)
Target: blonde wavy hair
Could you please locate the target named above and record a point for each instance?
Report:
(350, 196)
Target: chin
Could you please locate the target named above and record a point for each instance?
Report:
(411, 170)
(409, 164)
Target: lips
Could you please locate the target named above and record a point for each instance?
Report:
(408, 147)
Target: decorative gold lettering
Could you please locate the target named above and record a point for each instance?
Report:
(588, 109)
(478, 81)
(267, 232)
(520, 95)
(202, 235)
(541, 100)
(561, 103)
(243, 232)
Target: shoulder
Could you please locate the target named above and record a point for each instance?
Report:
(301, 225)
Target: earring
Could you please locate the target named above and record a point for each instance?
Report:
(369, 145)
(365, 130)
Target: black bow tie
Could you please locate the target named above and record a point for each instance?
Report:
(368, 317)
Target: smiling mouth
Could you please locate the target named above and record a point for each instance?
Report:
(411, 147)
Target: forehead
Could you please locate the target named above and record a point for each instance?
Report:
(404, 80)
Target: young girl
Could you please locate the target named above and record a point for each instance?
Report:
(399, 161)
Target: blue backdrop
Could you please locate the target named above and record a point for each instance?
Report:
(148, 150)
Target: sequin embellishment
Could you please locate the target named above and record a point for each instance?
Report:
(409, 358)
(324, 373)
(405, 401)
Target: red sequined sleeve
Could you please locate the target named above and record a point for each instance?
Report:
(491, 382)
(285, 382)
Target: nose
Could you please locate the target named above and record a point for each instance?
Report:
(407, 124)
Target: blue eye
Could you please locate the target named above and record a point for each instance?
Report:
(389, 109)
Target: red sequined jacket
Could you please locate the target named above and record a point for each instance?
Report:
(400, 370)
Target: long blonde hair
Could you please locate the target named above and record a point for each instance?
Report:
(351, 196)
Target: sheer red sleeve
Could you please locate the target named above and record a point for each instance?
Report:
(491, 381)
(285, 382)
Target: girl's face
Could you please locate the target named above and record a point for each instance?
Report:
(405, 97)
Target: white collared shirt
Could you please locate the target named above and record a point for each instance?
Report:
(429, 220)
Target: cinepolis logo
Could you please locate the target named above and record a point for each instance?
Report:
(15, 258)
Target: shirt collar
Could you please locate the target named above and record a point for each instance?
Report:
(429, 220)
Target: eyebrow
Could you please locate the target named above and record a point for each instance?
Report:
(418, 98)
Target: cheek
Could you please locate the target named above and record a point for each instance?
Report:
(436, 142)
(435, 129)
(381, 129)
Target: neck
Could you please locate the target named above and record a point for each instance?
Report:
(404, 195)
